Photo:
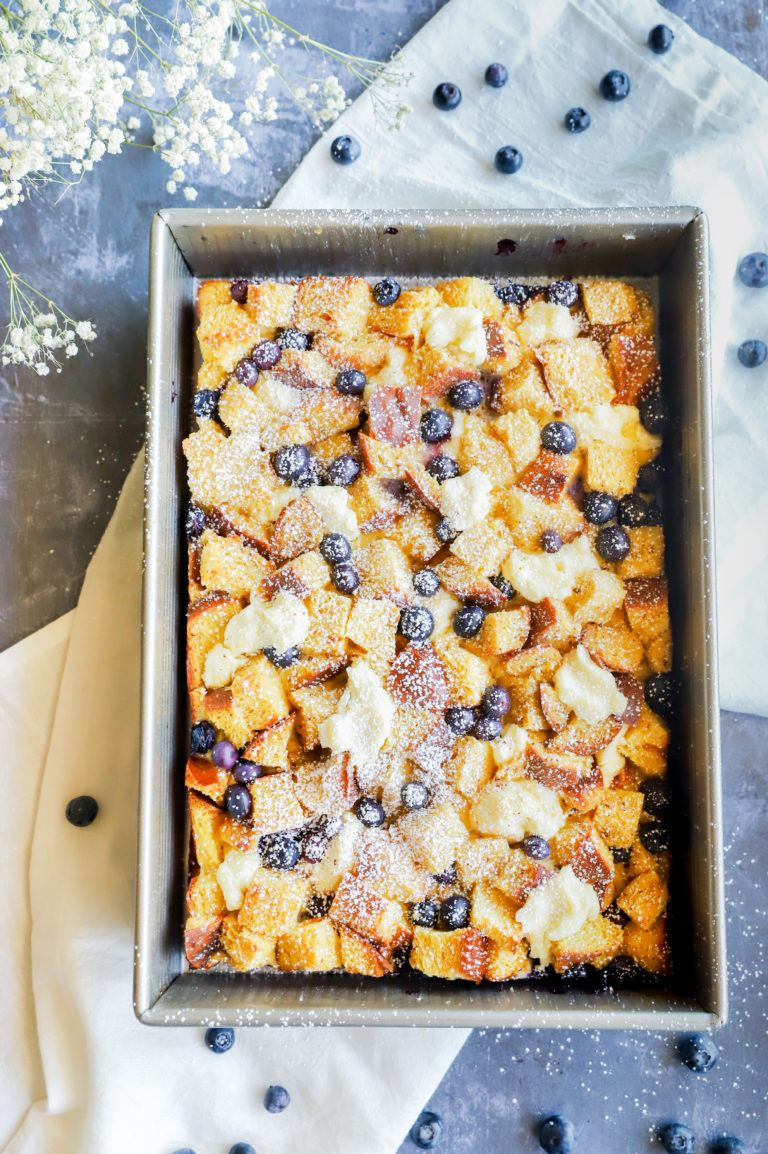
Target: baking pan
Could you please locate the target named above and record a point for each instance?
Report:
(667, 249)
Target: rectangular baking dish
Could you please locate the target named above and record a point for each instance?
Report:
(667, 248)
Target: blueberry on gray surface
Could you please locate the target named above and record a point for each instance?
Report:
(242, 1148)
(201, 737)
(368, 811)
(426, 582)
(345, 149)
(465, 395)
(632, 511)
(556, 1135)
(496, 701)
(454, 912)
(278, 851)
(753, 270)
(468, 620)
(238, 290)
(496, 75)
(655, 797)
(615, 85)
(752, 353)
(436, 426)
(386, 291)
(424, 913)
(514, 294)
(661, 694)
(426, 1130)
(414, 795)
(293, 339)
(224, 754)
(660, 39)
(344, 470)
(334, 548)
(416, 623)
(487, 728)
(654, 836)
(508, 159)
(276, 1099)
(194, 523)
(459, 719)
(246, 771)
(345, 577)
(653, 414)
(536, 847)
(677, 1138)
(551, 541)
(206, 401)
(558, 437)
(238, 802)
(291, 461)
(699, 1052)
(285, 659)
(219, 1039)
(727, 1144)
(599, 507)
(82, 810)
(266, 354)
(503, 586)
(562, 292)
(351, 382)
(442, 468)
(444, 531)
(446, 96)
(650, 476)
(613, 543)
(577, 120)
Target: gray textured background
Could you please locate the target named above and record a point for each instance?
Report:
(66, 444)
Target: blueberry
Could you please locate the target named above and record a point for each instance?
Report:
(496, 75)
(312, 475)
(247, 372)
(677, 1138)
(558, 437)
(444, 531)
(556, 1135)
(201, 737)
(621, 854)
(727, 1144)
(496, 701)
(345, 577)
(654, 836)
(426, 582)
(334, 548)
(416, 623)
(632, 511)
(414, 795)
(345, 149)
(220, 1039)
(314, 845)
(599, 507)
(660, 39)
(562, 292)
(436, 426)
(750, 353)
(195, 522)
(612, 543)
(577, 120)
(224, 755)
(81, 810)
(184, 1150)
(442, 467)
(551, 541)
(206, 402)
(246, 771)
(699, 1052)
(344, 470)
(350, 382)
(448, 877)
(277, 1099)
(239, 291)
(454, 912)
(331, 825)
(614, 914)
(278, 851)
(446, 96)
(242, 1148)
(653, 414)
(426, 1130)
(266, 354)
(536, 847)
(459, 719)
(503, 586)
(465, 395)
(487, 728)
(753, 270)
(661, 694)
(283, 660)
(615, 85)
(650, 475)
(514, 294)
(424, 913)
(508, 160)
(655, 797)
(368, 811)
(386, 291)
(468, 621)
(238, 801)
(294, 339)
(291, 461)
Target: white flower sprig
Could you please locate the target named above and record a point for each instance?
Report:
(38, 329)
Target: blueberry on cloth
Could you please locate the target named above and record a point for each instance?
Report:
(459, 719)
(291, 461)
(465, 395)
(277, 1099)
(558, 437)
(345, 149)
(238, 802)
(350, 382)
(508, 160)
(556, 1135)
(278, 851)
(334, 548)
(752, 353)
(727, 1144)
(615, 85)
(266, 354)
(424, 913)
(414, 795)
(699, 1052)
(468, 620)
(220, 1039)
(446, 96)
(677, 1138)
(487, 728)
(238, 290)
(344, 470)
(562, 292)
(81, 810)
(345, 577)
(442, 467)
(368, 811)
(201, 737)
(496, 75)
(416, 623)
(195, 522)
(454, 912)
(426, 1130)
(426, 582)
(536, 847)
(242, 1148)
(436, 426)
(753, 270)
(496, 701)
(386, 291)
(613, 543)
(283, 660)
(206, 402)
(577, 120)
(660, 39)
(599, 507)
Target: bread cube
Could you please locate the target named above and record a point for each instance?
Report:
(405, 317)
(384, 571)
(322, 413)
(328, 616)
(386, 461)
(527, 517)
(617, 816)
(218, 707)
(298, 528)
(359, 956)
(645, 743)
(648, 947)
(418, 680)
(596, 944)
(226, 564)
(583, 739)
(338, 304)
(505, 963)
(357, 905)
(502, 345)
(525, 709)
(519, 431)
(658, 653)
(204, 897)
(200, 940)
(311, 670)
(646, 554)
(258, 695)
(245, 950)
(484, 546)
(426, 488)
(555, 711)
(226, 333)
(206, 621)
(462, 581)
(611, 469)
(578, 779)
(647, 607)
(469, 766)
(310, 947)
(453, 954)
(303, 575)
(547, 476)
(415, 535)
(576, 373)
(437, 370)
(270, 304)
(205, 819)
(613, 647)
(494, 915)
(635, 367)
(205, 777)
(522, 388)
(518, 875)
(477, 446)
(275, 803)
(273, 902)
(433, 835)
(609, 302)
(644, 898)
(479, 859)
(211, 293)
(540, 662)
(270, 746)
(598, 597)
(372, 626)
(471, 291)
(467, 675)
(552, 624)
(243, 408)
(367, 352)
(504, 632)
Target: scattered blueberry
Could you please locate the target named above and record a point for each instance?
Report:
(201, 737)
(239, 291)
(753, 270)
(558, 437)
(266, 354)
(727, 1144)
(436, 426)
(444, 531)
(185, 1150)
(677, 1138)
(344, 470)
(661, 694)
(416, 623)
(556, 1135)
(291, 461)
(487, 728)
(496, 701)
(414, 795)
(238, 801)
(503, 586)
(224, 755)
(442, 467)
(551, 541)
(508, 160)
(750, 353)
(242, 1148)
(650, 476)
(536, 847)
(496, 75)
(446, 96)
(246, 771)
(277, 1099)
(386, 291)
(655, 797)
(351, 382)
(368, 811)
(247, 372)
(195, 522)
(615, 85)
(424, 913)
(283, 660)
(81, 810)
(278, 851)
(314, 845)
(468, 621)
(454, 912)
(459, 719)
(612, 543)
(653, 414)
(599, 507)
(632, 511)
(334, 548)
(699, 1052)
(345, 149)
(660, 39)
(206, 402)
(562, 292)
(514, 294)
(426, 582)
(465, 395)
(577, 120)
(345, 577)
(426, 1130)
(654, 836)
(294, 339)
(220, 1039)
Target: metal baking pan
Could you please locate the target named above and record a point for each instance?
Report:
(667, 248)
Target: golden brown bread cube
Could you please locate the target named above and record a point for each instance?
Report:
(577, 778)
(272, 903)
(270, 746)
(493, 913)
(648, 947)
(310, 947)
(338, 305)
(257, 694)
(405, 317)
(576, 373)
(504, 632)
(596, 944)
(646, 554)
(522, 388)
(647, 608)
(552, 624)
(228, 565)
(613, 647)
(270, 303)
(359, 956)
(384, 571)
(434, 835)
(246, 950)
(610, 469)
(226, 333)
(505, 963)
(206, 621)
(301, 576)
(450, 954)
(617, 815)
(200, 940)
(467, 675)
(298, 528)
(528, 516)
(644, 899)
(372, 626)
(555, 711)
(205, 777)
(414, 533)
(635, 367)
(471, 291)
(580, 845)
(205, 819)
(583, 739)
(275, 803)
(539, 661)
(518, 875)
(469, 766)
(328, 617)
(598, 597)
(479, 859)
(609, 302)
(483, 547)
(477, 446)
(547, 476)
(357, 905)
(519, 431)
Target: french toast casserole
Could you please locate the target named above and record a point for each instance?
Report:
(428, 640)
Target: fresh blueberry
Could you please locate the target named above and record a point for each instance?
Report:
(291, 461)
(442, 467)
(206, 402)
(459, 719)
(653, 414)
(345, 577)
(508, 160)
(184, 1150)
(247, 372)
(496, 75)
(335, 548)
(294, 339)
(350, 382)
(81, 810)
(536, 847)
(368, 811)
(201, 737)
(238, 801)
(558, 437)
(556, 1135)
(436, 426)
(487, 728)
(750, 353)
(503, 586)
(426, 582)
(551, 541)
(277, 1099)
(314, 845)
(468, 621)
(615, 85)
(465, 395)
(514, 294)
(242, 1148)
(621, 854)
(699, 1052)
(414, 795)
(633, 511)
(661, 694)
(753, 270)
(577, 120)
(283, 660)
(446, 96)
(344, 470)
(448, 877)
(220, 1039)
(224, 755)
(266, 354)
(386, 291)
(727, 1144)
(426, 1130)
(650, 476)
(345, 149)
(496, 701)
(655, 797)
(599, 507)
(246, 771)
(424, 913)
(278, 851)
(239, 291)
(195, 522)
(612, 543)
(660, 39)
(562, 292)
(416, 623)
(454, 912)
(654, 836)
(677, 1138)
(444, 531)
